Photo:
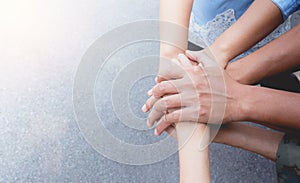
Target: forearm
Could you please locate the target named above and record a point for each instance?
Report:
(277, 56)
(177, 14)
(274, 107)
(261, 141)
(194, 164)
(261, 18)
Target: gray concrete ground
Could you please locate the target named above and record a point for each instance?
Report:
(42, 43)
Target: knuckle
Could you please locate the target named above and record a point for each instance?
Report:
(167, 102)
(158, 106)
(203, 111)
(168, 123)
(198, 85)
(195, 115)
(175, 116)
(162, 86)
(155, 90)
(200, 96)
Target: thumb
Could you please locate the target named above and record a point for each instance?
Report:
(159, 79)
(192, 55)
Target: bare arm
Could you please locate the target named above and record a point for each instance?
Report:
(261, 18)
(277, 56)
(194, 165)
(254, 139)
(270, 106)
(178, 13)
(240, 135)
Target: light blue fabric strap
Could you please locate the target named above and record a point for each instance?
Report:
(287, 7)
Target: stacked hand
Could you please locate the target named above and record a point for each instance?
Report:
(191, 88)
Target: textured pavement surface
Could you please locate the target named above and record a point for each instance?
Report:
(42, 43)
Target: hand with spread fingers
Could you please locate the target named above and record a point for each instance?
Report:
(197, 94)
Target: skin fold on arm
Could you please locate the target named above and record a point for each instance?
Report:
(194, 164)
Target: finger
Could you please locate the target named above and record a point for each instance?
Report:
(165, 88)
(161, 106)
(207, 61)
(168, 102)
(205, 57)
(171, 130)
(149, 93)
(184, 60)
(192, 58)
(154, 116)
(160, 109)
(169, 69)
(149, 104)
(166, 121)
(159, 79)
(180, 115)
(195, 57)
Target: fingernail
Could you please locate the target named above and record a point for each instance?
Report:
(156, 132)
(150, 92)
(144, 108)
(156, 79)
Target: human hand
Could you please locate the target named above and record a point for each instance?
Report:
(167, 73)
(208, 53)
(198, 95)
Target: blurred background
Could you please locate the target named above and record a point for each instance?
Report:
(41, 46)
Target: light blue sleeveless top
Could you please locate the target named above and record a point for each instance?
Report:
(210, 18)
(205, 11)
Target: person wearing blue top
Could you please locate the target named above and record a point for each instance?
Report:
(206, 11)
(211, 18)
(227, 29)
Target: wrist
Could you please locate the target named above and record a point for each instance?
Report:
(169, 51)
(247, 102)
(221, 53)
(236, 72)
(238, 104)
